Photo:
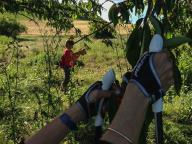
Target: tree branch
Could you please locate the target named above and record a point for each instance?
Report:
(148, 13)
(93, 32)
(149, 10)
(31, 19)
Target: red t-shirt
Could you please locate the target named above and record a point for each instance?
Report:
(68, 59)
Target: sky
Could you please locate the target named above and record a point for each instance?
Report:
(107, 6)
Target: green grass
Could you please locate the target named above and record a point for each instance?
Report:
(12, 16)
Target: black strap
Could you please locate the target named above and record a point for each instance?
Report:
(126, 77)
(84, 103)
(144, 75)
(159, 127)
(66, 119)
(98, 134)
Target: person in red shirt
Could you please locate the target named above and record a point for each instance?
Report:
(68, 60)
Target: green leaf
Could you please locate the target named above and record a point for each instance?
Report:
(176, 41)
(113, 14)
(141, 4)
(146, 38)
(156, 24)
(108, 42)
(166, 24)
(133, 46)
(158, 7)
(138, 5)
(124, 12)
(134, 2)
(138, 22)
(177, 80)
(112, 107)
(170, 4)
(168, 35)
(176, 75)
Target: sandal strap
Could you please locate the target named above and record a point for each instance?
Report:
(145, 76)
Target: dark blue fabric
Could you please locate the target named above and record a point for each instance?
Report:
(65, 118)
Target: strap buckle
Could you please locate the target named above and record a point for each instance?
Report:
(157, 95)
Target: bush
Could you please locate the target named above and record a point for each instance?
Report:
(185, 65)
(184, 114)
(175, 133)
(4, 40)
(10, 27)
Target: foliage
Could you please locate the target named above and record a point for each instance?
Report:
(185, 60)
(104, 33)
(33, 80)
(185, 110)
(10, 27)
(180, 18)
(15, 87)
(4, 40)
(133, 46)
(178, 118)
(156, 20)
(153, 22)
(58, 14)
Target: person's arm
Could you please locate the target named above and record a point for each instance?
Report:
(55, 131)
(77, 54)
(127, 124)
(129, 118)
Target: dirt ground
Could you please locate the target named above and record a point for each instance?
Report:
(41, 28)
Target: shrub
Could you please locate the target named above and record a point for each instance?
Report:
(10, 27)
(175, 133)
(185, 111)
(185, 65)
(4, 40)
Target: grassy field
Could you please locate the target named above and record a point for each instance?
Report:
(34, 29)
(40, 27)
